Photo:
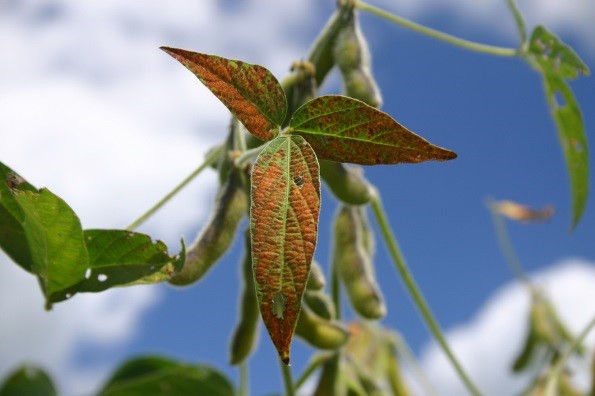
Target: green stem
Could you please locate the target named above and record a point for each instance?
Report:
(209, 159)
(552, 382)
(286, 371)
(518, 18)
(243, 389)
(335, 289)
(247, 156)
(315, 362)
(510, 256)
(470, 45)
(414, 292)
(404, 350)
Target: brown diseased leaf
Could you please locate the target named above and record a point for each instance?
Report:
(249, 91)
(343, 129)
(519, 212)
(283, 222)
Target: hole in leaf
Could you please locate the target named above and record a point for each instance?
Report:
(559, 100)
(68, 295)
(88, 273)
(298, 180)
(102, 277)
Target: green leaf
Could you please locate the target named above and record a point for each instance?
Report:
(153, 375)
(554, 56)
(283, 222)
(571, 132)
(55, 239)
(27, 380)
(343, 129)
(121, 258)
(250, 92)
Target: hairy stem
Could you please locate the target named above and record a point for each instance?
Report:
(470, 45)
(510, 256)
(243, 389)
(287, 381)
(209, 159)
(414, 292)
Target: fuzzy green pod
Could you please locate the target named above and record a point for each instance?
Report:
(354, 265)
(527, 353)
(368, 239)
(320, 303)
(396, 381)
(316, 280)
(346, 182)
(215, 238)
(299, 87)
(318, 332)
(352, 56)
(245, 334)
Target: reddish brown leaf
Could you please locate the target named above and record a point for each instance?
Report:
(249, 91)
(283, 222)
(343, 129)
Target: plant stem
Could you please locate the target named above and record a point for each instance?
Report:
(247, 156)
(470, 45)
(335, 289)
(314, 363)
(243, 389)
(518, 18)
(404, 350)
(414, 292)
(286, 371)
(552, 382)
(209, 159)
(510, 256)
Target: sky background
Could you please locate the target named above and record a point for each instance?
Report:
(90, 108)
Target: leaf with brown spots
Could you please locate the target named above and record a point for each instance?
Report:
(249, 91)
(343, 129)
(283, 222)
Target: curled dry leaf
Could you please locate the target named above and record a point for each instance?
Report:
(516, 211)
(249, 91)
(283, 222)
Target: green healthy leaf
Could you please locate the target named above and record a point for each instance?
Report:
(119, 257)
(27, 380)
(55, 239)
(343, 129)
(249, 91)
(571, 132)
(554, 56)
(153, 375)
(12, 234)
(283, 222)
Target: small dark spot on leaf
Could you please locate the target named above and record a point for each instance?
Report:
(13, 181)
(298, 180)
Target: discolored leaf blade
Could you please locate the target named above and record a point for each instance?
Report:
(343, 129)
(154, 375)
(283, 222)
(27, 380)
(571, 132)
(251, 92)
(119, 258)
(554, 56)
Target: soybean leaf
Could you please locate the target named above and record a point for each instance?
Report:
(153, 375)
(557, 62)
(554, 56)
(27, 380)
(250, 92)
(118, 258)
(344, 129)
(283, 224)
(571, 132)
(12, 234)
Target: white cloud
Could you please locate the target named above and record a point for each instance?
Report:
(488, 343)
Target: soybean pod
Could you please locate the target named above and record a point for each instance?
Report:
(215, 238)
(354, 265)
(318, 332)
(352, 56)
(245, 334)
(320, 303)
(316, 279)
(347, 183)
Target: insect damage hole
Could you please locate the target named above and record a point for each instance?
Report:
(298, 180)
(102, 277)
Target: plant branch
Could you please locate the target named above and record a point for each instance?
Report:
(414, 292)
(247, 156)
(520, 22)
(286, 371)
(314, 363)
(405, 351)
(552, 382)
(470, 45)
(243, 389)
(510, 256)
(209, 159)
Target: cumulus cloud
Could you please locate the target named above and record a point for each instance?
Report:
(488, 343)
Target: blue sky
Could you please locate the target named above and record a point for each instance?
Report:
(90, 108)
